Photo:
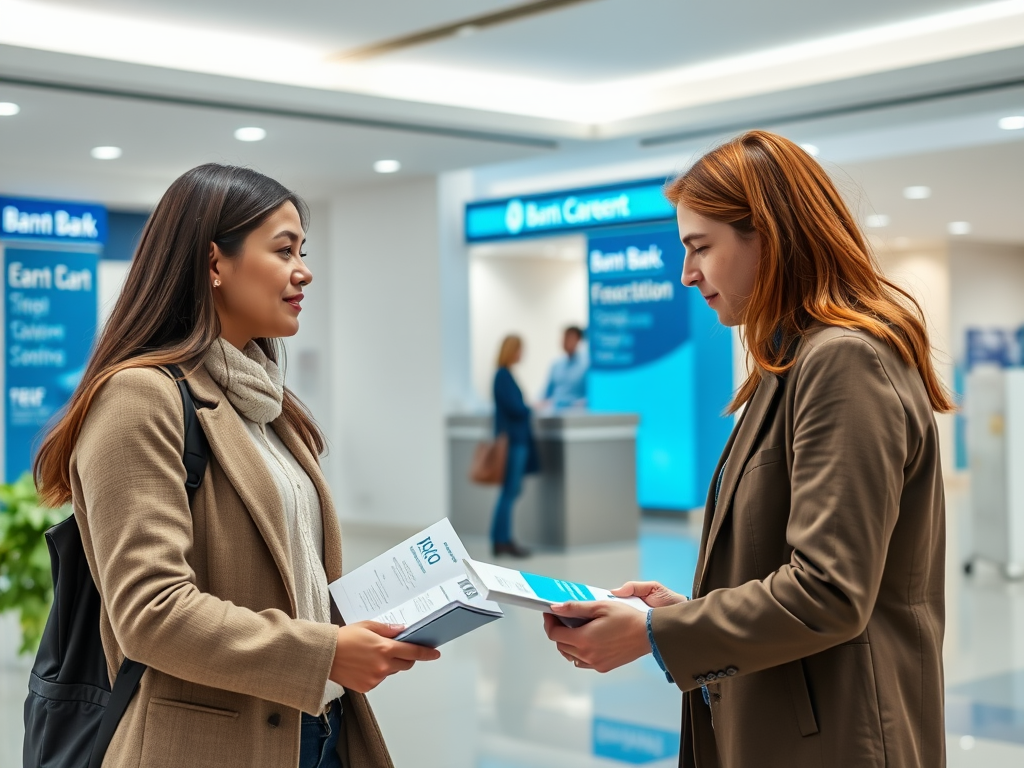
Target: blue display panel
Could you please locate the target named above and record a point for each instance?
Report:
(581, 209)
(52, 221)
(657, 350)
(50, 312)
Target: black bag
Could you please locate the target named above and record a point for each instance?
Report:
(71, 712)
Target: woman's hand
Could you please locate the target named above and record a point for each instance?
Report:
(651, 592)
(366, 654)
(615, 634)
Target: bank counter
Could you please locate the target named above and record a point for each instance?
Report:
(585, 492)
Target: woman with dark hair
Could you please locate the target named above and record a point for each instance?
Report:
(512, 419)
(227, 602)
(814, 636)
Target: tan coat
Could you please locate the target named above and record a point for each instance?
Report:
(818, 609)
(205, 598)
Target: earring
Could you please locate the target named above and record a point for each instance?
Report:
(216, 283)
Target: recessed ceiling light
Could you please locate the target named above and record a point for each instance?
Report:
(387, 166)
(250, 133)
(967, 742)
(810, 149)
(877, 220)
(959, 227)
(917, 193)
(1012, 123)
(9, 109)
(106, 153)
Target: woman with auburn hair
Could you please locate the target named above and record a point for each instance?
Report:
(512, 419)
(225, 600)
(814, 636)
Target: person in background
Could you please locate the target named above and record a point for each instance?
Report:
(512, 418)
(567, 382)
(814, 636)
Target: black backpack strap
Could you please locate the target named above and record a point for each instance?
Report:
(197, 450)
(195, 457)
(125, 685)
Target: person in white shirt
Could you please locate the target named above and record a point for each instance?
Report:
(567, 382)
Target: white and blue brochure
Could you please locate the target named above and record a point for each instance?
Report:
(528, 590)
(420, 583)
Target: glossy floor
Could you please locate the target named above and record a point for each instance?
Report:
(503, 698)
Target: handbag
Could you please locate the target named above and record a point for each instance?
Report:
(489, 459)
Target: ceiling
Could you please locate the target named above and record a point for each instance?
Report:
(593, 41)
(590, 66)
(893, 94)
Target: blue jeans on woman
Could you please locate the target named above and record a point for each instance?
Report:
(515, 469)
(318, 747)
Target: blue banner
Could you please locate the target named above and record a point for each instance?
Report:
(637, 304)
(52, 221)
(657, 350)
(573, 210)
(633, 743)
(50, 313)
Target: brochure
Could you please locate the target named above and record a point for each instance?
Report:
(504, 585)
(420, 583)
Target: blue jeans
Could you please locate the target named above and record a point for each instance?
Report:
(319, 742)
(515, 469)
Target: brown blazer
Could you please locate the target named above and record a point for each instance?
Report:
(818, 605)
(206, 597)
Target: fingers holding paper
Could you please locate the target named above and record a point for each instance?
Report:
(651, 592)
(615, 634)
(365, 654)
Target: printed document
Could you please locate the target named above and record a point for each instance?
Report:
(529, 590)
(420, 583)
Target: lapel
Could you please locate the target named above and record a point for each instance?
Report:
(735, 456)
(232, 444)
(309, 463)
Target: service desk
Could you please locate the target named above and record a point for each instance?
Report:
(585, 492)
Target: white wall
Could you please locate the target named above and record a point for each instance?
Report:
(924, 272)
(987, 288)
(529, 294)
(387, 459)
(307, 371)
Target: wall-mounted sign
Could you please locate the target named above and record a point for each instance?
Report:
(657, 350)
(52, 221)
(637, 305)
(574, 210)
(50, 310)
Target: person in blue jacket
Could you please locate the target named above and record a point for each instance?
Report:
(511, 417)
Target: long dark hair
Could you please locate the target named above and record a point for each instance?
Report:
(165, 314)
(815, 264)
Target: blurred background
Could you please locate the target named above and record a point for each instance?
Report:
(480, 168)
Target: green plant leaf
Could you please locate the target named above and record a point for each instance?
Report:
(25, 580)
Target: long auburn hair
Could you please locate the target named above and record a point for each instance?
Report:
(815, 264)
(165, 314)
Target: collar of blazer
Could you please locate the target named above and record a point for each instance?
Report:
(734, 458)
(232, 446)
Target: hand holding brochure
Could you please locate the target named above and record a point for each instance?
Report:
(504, 585)
(420, 583)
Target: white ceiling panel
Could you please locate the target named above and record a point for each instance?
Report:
(45, 149)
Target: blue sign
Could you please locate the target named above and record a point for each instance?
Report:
(637, 304)
(529, 216)
(657, 350)
(1002, 347)
(52, 221)
(50, 313)
(633, 743)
